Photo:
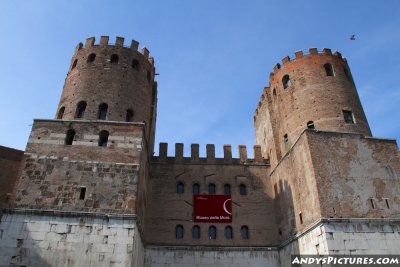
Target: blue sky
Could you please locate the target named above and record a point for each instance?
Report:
(214, 58)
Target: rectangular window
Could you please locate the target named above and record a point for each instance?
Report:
(285, 138)
(301, 218)
(372, 203)
(83, 193)
(348, 116)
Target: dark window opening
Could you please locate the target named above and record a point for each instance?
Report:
(347, 74)
(80, 110)
(114, 59)
(244, 231)
(135, 64)
(371, 200)
(129, 115)
(301, 218)
(74, 64)
(60, 114)
(83, 193)
(102, 111)
(228, 232)
(196, 232)
(180, 188)
(148, 76)
(387, 203)
(211, 189)
(274, 92)
(212, 232)
(103, 138)
(196, 189)
(286, 81)
(242, 190)
(227, 189)
(179, 232)
(348, 116)
(310, 125)
(328, 69)
(91, 58)
(285, 138)
(69, 138)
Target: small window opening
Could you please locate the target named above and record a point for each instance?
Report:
(180, 188)
(91, 58)
(328, 69)
(371, 201)
(211, 189)
(129, 115)
(69, 138)
(114, 59)
(60, 114)
(242, 190)
(286, 81)
(74, 64)
(135, 64)
(227, 189)
(196, 189)
(334, 211)
(148, 76)
(102, 111)
(274, 92)
(387, 203)
(286, 138)
(196, 232)
(179, 232)
(347, 74)
(80, 110)
(212, 232)
(228, 232)
(348, 116)
(103, 138)
(83, 193)
(301, 218)
(244, 231)
(280, 232)
(310, 125)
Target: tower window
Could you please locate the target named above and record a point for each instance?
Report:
(179, 232)
(301, 218)
(286, 81)
(103, 138)
(228, 232)
(148, 76)
(212, 232)
(180, 188)
(114, 59)
(135, 64)
(211, 189)
(60, 114)
(274, 92)
(348, 116)
(80, 110)
(196, 189)
(69, 137)
(83, 193)
(328, 69)
(74, 64)
(196, 232)
(91, 58)
(129, 115)
(102, 111)
(242, 189)
(244, 232)
(227, 189)
(285, 138)
(347, 74)
(310, 125)
(387, 203)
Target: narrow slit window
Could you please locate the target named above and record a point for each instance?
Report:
(348, 116)
(129, 115)
(387, 203)
(82, 193)
(242, 190)
(196, 232)
(301, 218)
(286, 138)
(114, 59)
(179, 232)
(227, 189)
(60, 114)
(103, 138)
(69, 137)
(211, 189)
(180, 188)
(310, 125)
(328, 69)
(80, 110)
(102, 111)
(212, 232)
(244, 232)
(372, 202)
(74, 64)
(286, 81)
(148, 76)
(228, 232)
(196, 189)
(91, 58)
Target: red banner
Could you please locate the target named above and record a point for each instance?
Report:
(212, 208)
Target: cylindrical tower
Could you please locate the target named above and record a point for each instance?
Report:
(313, 91)
(110, 82)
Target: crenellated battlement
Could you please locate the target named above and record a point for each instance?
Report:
(210, 155)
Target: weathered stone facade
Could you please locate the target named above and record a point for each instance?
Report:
(88, 190)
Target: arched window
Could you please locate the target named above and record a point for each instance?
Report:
(180, 188)
(74, 64)
(196, 189)
(328, 69)
(129, 115)
(211, 189)
(103, 138)
(242, 189)
(60, 114)
(91, 58)
(286, 81)
(228, 232)
(347, 74)
(179, 232)
(212, 232)
(69, 137)
(114, 59)
(135, 64)
(244, 232)
(102, 111)
(310, 125)
(196, 232)
(227, 189)
(80, 110)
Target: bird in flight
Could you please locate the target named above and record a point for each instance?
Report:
(353, 37)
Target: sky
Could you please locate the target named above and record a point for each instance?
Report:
(213, 57)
